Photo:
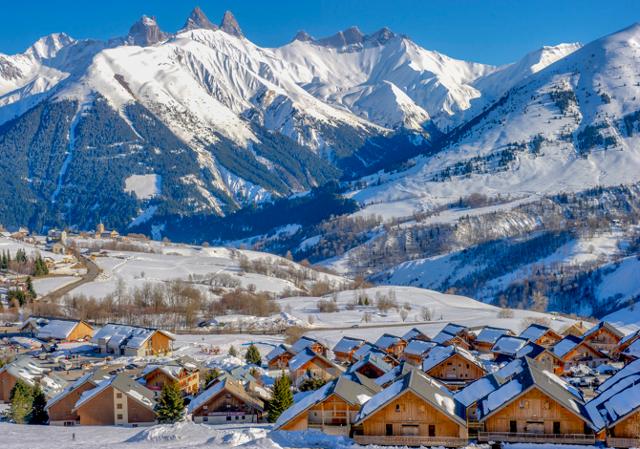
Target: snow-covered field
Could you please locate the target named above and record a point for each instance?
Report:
(43, 286)
(185, 435)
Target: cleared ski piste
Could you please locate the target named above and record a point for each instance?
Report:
(186, 435)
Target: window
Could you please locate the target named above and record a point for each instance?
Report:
(228, 418)
(119, 395)
(547, 405)
(397, 407)
(119, 406)
(119, 416)
(388, 429)
(556, 427)
(432, 430)
(513, 426)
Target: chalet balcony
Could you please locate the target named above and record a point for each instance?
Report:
(623, 442)
(410, 440)
(509, 437)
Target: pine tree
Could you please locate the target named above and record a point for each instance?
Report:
(282, 397)
(233, 352)
(170, 406)
(30, 289)
(21, 398)
(253, 355)
(38, 413)
(210, 376)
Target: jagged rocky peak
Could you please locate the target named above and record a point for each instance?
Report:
(230, 25)
(146, 32)
(48, 46)
(350, 36)
(382, 36)
(303, 36)
(198, 20)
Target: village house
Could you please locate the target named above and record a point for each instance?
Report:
(573, 351)
(453, 366)
(506, 348)
(345, 349)
(308, 364)
(331, 409)
(415, 334)
(58, 329)
(60, 408)
(413, 411)
(454, 334)
(186, 376)
(369, 348)
(541, 335)
(603, 336)
(546, 358)
(117, 401)
(391, 344)
(311, 343)
(119, 339)
(224, 402)
(577, 329)
(624, 344)
(372, 366)
(278, 358)
(487, 337)
(416, 351)
(28, 371)
(616, 408)
(535, 406)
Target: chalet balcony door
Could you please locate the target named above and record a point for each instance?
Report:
(536, 427)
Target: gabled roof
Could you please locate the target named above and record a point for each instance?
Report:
(533, 350)
(568, 343)
(117, 335)
(126, 385)
(350, 391)
(368, 348)
(423, 386)
(441, 354)
(454, 329)
(415, 333)
(604, 325)
(419, 347)
(371, 359)
(393, 374)
(94, 377)
(171, 370)
(534, 376)
(304, 356)
(631, 369)
(490, 334)
(230, 385)
(277, 352)
(507, 345)
(348, 344)
(620, 400)
(535, 331)
(303, 343)
(57, 328)
(387, 340)
(629, 337)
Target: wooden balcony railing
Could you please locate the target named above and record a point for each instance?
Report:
(623, 442)
(410, 440)
(508, 437)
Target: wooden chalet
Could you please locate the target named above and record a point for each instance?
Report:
(454, 366)
(416, 351)
(535, 406)
(27, 370)
(309, 364)
(118, 401)
(603, 336)
(345, 349)
(309, 343)
(577, 329)
(58, 329)
(372, 366)
(415, 334)
(119, 339)
(391, 344)
(506, 347)
(620, 351)
(415, 410)
(573, 351)
(487, 337)
(544, 356)
(616, 408)
(454, 334)
(186, 376)
(278, 358)
(541, 335)
(331, 409)
(371, 349)
(61, 408)
(224, 402)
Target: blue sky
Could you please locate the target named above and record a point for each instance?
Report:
(490, 31)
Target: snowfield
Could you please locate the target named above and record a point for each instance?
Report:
(143, 186)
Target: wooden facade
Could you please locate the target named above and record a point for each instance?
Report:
(317, 367)
(583, 354)
(534, 416)
(548, 339)
(188, 381)
(62, 412)
(112, 407)
(577, 329)
(228, 406)
(603, 339)
(81, 331)
(409, 419)
(281, 361)
(626, 432)
(333, 416)
(7, 382)
(456, 369)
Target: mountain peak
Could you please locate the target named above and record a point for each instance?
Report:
(48, 46)
(198, 20)
(382, 36)
(350, 36)
(146, 32)
(230, 25)
(303, 36)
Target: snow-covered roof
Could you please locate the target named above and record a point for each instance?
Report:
(230, 385)
(304, 356)
(302, 343)
(366, 349)
(534, 331)
(424, 387)
(57, 329)
(419, 347)
(348, 344)
(171, 370)
(620, 399)
(415, 333)
(454, 329)
(629, 337)
(508, 345)
(276, 352)
(630, 369)
(26, 369)
(439, 354)
(490, 334)
(372, 359)
(117, 335)
(387, 340)
(604, 325)
(565, 345)
(94, 377)
(124, 384)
